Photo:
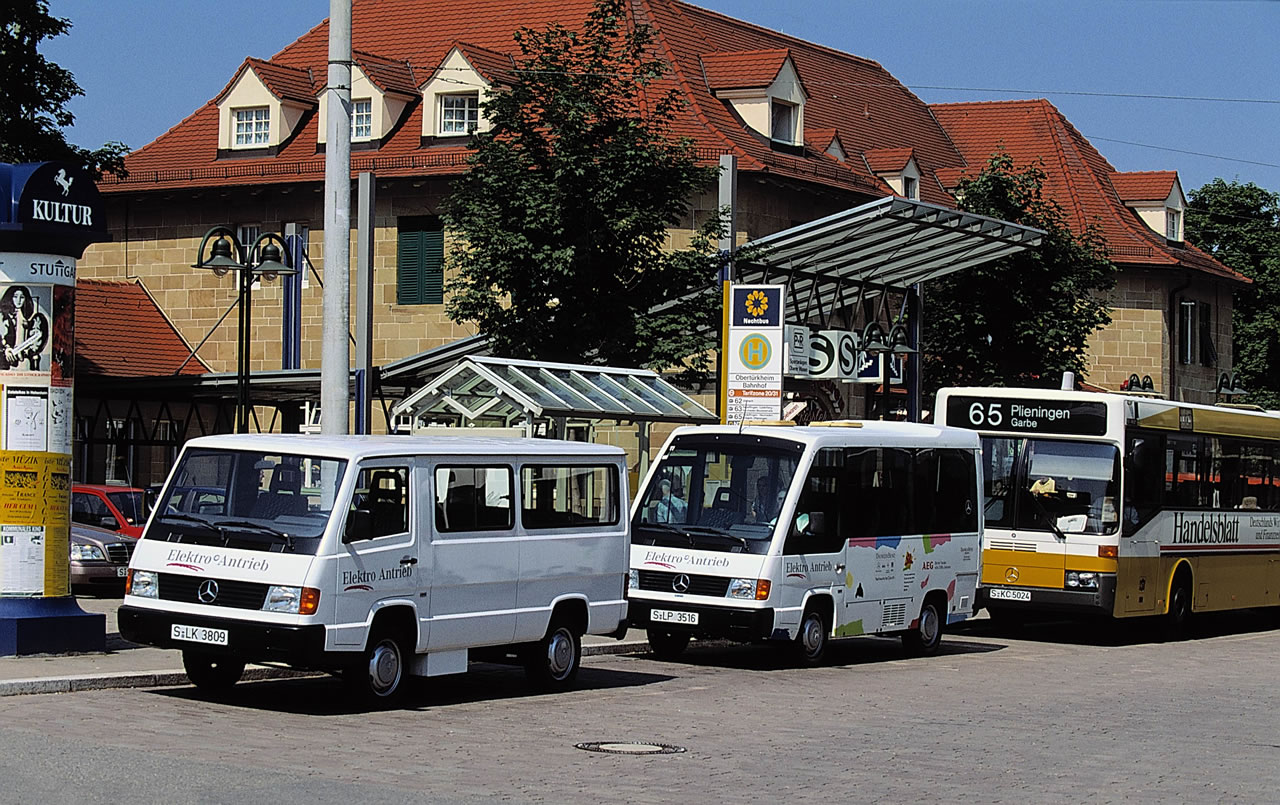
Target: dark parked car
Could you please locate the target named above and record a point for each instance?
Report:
(99, 559)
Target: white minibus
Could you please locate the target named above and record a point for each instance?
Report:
(801, 534)
(382, 557)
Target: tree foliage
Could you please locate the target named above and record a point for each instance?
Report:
(1239, 224)
(565, 208)
(1026, 318)
(33, 108)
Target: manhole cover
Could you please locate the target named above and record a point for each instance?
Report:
(630, 748)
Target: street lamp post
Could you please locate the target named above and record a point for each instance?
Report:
(263, 258)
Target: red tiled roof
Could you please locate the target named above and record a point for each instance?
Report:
(493, 66)
(120, 332)
(1144, 185)
(286, 83)
(870, 108)
(888, 160)
(749, 69)
(1078, 177)
(388, 75)
(820, 139)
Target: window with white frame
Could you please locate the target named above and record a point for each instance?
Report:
(1186, 331)
(910, 187)
(362, 120)
(459, 114)
(253, 126)
(1173, 224)
(783, 122)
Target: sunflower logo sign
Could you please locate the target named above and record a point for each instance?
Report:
(757, 306)
(754, 387)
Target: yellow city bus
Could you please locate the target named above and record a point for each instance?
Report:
(1123, 505)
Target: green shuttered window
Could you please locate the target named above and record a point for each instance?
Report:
(420, 261)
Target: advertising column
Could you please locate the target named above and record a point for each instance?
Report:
(49, 212)
(755, 350)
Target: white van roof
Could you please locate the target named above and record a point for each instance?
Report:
(355, 448)
(850, 433)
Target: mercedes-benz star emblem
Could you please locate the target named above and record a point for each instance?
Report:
(208, 592)
(680, 583)
(1011, 575)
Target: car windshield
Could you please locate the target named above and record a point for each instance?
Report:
(717, 493)
(130, 504)
(247, 499)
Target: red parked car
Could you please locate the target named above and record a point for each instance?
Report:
(115, 508)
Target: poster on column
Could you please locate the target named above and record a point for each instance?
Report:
(26, 333)
(26, 417)
(755, 354)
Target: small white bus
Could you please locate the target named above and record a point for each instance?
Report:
(382, 557)
(801, 534)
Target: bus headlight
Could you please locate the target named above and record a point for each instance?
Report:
(291, 600)
(142, 583)
(1082, 580)
(750, 589)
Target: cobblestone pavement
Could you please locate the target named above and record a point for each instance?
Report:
(1034, 715)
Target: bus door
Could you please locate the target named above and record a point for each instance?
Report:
(1138, 588)
(813, 561)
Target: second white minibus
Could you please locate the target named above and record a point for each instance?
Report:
(801, 534)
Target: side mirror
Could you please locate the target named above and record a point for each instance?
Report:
(108, 522)
(359, 526)
(817, 523)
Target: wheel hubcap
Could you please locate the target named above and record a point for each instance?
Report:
(384, 667)
(812, 635)
(929, 625)
(560, 653)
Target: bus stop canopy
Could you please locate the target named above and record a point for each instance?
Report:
(507, 391)
(889, 244)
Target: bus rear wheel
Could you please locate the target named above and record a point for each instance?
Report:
(923, 641)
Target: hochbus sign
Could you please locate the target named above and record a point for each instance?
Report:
(755, 352)
(1069, 417)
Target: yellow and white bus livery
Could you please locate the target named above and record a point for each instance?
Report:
(1123, 505)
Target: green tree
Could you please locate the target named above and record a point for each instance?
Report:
(1026, 318)
(1239, 224)
(36, 91)
(565, 207)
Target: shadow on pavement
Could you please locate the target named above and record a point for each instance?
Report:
(1111, 632)
(327, 696)
(848, 652)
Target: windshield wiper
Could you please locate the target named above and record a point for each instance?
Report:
(265, 529)
(1048, 519)
(200, 521)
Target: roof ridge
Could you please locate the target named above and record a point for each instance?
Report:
(683, 80)
(1051, 114)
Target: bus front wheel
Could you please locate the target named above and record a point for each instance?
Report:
(668, 645)
(923, 641)
(1178, 619)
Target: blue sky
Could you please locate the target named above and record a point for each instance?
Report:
(146, 64)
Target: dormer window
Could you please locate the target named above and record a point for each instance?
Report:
(1173, 224)
(459, 114)
(783, 122)
(910, 187)
(253, 127)
(763, 88)
(362, 119)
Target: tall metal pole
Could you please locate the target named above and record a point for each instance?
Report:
(335, 356)
(243, 364)
(727, 201)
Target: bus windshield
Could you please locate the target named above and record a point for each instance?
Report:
(1047, 485)
(718, 495)
(247, 499)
